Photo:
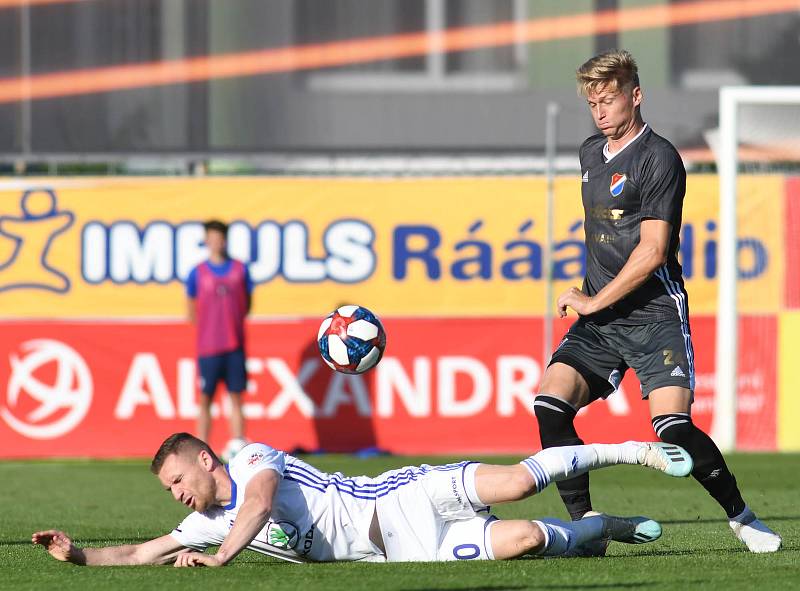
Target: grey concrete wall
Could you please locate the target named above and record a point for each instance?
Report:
(681, 68)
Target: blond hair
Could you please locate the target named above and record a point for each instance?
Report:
(179, 443)
(614, 70)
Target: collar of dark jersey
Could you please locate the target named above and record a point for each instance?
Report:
(232, 504)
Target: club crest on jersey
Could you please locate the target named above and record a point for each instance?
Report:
(617, 184)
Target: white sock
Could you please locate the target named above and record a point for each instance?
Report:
(560, 463)
(562, 536)
(469, 485)
(612, 454)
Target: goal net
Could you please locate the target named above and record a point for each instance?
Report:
(757, 148)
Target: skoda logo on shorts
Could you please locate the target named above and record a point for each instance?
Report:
(283, 535)
(42, 403)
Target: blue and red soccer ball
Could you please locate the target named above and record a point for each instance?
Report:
(351, 339)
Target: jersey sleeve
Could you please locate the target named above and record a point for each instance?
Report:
(196, 531)
(663, 186)
(248, 281)
(253, 459)
(191, 284)
(582, 151)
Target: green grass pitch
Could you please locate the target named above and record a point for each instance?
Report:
(120, 502)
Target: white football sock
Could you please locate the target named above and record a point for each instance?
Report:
(563, 536)
(469, 485)
(560, 463)
(754, 533)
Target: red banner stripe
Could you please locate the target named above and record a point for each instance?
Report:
(792, 244)
(449, 386)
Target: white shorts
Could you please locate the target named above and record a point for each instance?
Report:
(431, 517)
(467, 539)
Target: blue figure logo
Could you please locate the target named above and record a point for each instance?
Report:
(33, 233)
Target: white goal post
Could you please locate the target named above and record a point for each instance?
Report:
(723, 429)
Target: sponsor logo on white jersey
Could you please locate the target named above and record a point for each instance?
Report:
(283, 534)
(255, 458)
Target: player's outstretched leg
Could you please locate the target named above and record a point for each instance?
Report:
(560, 463)
(563, 538)
(711, 471)
(553, 537)
(494, 484)
(628, 530)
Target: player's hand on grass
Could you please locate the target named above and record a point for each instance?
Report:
(58, 544)
(577, 300)
(187, 559)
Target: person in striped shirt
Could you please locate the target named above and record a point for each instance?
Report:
(271, 502)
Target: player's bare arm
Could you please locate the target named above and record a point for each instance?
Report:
(252, 517)
(163, 550)
(191, 310)
(646, 258)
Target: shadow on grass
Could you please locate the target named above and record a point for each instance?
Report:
(693, 552)
(529, 586)
(494, 588)
(84, 541)
(722, 520)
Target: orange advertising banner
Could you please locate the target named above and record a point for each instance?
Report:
(121, 248)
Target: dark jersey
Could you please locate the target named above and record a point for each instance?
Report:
(646, 180)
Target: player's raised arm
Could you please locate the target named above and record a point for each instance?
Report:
(191, 310)
(161, 550)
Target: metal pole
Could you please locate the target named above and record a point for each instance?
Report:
(435, 23)
(25, 127)
(723, 428)
(551, 145)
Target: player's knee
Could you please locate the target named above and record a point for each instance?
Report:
(521, 483)
(532, 538)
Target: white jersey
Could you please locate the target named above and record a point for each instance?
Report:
(425, 512)
(315, 516)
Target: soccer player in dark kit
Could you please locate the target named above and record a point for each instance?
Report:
(633, 309)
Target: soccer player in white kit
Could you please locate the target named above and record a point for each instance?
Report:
(271, 502)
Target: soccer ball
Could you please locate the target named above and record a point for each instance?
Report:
(351, 339)
(233, 447)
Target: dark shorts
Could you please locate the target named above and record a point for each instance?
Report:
(225, 366)
(660, 353)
